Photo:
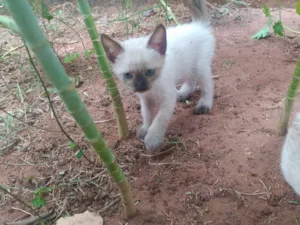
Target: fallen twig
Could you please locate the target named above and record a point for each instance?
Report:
(32, 220)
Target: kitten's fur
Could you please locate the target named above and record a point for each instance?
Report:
(290, 155)
(152, 66)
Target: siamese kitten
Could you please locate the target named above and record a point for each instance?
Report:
(152, 66)
(290, 155)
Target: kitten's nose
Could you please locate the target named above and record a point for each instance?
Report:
(140, 84)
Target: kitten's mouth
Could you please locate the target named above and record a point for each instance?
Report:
(141, 90)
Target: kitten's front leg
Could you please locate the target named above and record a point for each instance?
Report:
(148, 105)
(206, 83)
(156, 132)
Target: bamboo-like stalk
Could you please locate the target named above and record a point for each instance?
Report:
(111, 85)
(46, 57)
(289, 101)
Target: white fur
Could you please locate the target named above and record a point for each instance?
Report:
(290, 155)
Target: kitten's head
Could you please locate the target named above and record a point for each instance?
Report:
(137, 62)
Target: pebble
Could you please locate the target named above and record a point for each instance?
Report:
(228, 212)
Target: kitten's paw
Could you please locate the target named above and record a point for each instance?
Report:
(141, 132)
(153, 141)
(202, 109)
(204, 106)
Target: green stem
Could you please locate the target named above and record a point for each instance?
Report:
(50, 103)
(289, 29)
(289, 100)
(7, 22)
(48, 60)
(105, 67)
(169, 11)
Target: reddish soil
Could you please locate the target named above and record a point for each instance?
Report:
(229, 173)
(224, 171)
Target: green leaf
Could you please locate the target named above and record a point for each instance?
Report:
(42, 190)
(4, 188)
(88, 53)
(38, 202)
(298, 7)
(278, 28)
(72, 145)
(294, 202)
(45, 11)
(71, 57)
(267, 11)
(28, 179)
(262, 33)
(46, 189)
(79, 154)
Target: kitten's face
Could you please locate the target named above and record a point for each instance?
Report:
(137, 62)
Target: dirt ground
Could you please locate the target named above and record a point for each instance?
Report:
(223, 168)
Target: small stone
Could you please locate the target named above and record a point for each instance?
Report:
(13, 179)
(228, 212)
(148, 13)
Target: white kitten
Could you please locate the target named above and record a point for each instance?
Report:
(152, 66)
(290, 155)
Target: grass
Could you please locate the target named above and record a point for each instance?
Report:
(296, 220)
(6, 122)
(9, 128)
(228, 63)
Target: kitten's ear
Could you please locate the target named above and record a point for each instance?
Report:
(158, 40)
(111, 47)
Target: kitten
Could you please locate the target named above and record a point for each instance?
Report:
(153, 65)
(290, 155)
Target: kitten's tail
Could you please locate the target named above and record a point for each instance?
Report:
(198, 10)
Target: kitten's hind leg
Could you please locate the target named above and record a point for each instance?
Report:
(185, 90)
(206, 84)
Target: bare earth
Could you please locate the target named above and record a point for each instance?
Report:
(225, 170)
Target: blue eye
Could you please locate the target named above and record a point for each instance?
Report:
(128, 75)
(149, 72)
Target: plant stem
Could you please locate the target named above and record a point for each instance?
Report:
(289, 100)
(169, 11)
(7, 22)
(65, 87)
(22, 202)
(50, 103)
(111, 85)
(289, 29)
